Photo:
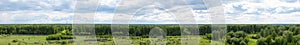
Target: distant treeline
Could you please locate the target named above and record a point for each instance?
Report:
(135, 29)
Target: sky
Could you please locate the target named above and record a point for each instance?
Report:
(62, 11)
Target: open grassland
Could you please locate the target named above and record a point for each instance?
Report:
(25, 40)
(22, 39)
(41, 40)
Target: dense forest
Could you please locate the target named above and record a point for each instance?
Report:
(135, 29)
(237, 34)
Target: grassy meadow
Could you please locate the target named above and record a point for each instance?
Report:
(41, 40)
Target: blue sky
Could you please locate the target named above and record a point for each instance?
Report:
(236, 12)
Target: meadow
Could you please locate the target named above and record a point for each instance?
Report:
(41, 40)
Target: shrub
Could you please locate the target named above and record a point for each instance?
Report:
(240, 34)
(145, 36)
(208, 36)
(104, 36)
(54, 37)
(231, 34)
(66, 37)
(243, 43)
(14, 41)
(262, 41)
(58, 37)
(254, 36)
(64, 42)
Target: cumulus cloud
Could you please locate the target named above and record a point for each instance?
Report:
(262, 11)
(236, 11)
(15, 5)
(32, 17)
(110, 3)
(153, 16)
(270, 6)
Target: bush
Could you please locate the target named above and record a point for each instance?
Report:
(8, 44)
(58, 37)
(231, 34)
(254, 36)
(243, 43)
(208, 36)
(67, 37)
(14, 41)
(54, 37)
(262, 41)
(104, 36)
(237, 38)
(145, 36)
(240, 34)
(64, 42)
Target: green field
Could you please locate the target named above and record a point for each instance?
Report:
(22, 39)
(25, 40)
(41, 40)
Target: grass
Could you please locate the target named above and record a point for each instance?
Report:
(23, 39)
(40, 40)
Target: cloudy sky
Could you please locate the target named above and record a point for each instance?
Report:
(62, 11)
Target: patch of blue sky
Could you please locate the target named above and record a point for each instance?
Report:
(105, 8)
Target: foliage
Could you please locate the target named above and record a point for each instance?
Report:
(237, 38)
(14, 41)
(207, 36)
(59, 36)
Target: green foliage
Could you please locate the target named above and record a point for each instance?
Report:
(104, 36)
(53, 37)
(262, 41)
(231, 34)
(208, 36)
(137, 29)
(237, 38)
(64, 42)
(282, 37)
(59, 36)
(288, 35)
(239, 34)
(243, 43)
(279, 41)
(15, 41)
(35, 29)
(9, 44)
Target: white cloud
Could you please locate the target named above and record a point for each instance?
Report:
(104, 17)
(261, 6)
(10, 17)
(150, 16)
(110, 3)
(262, 12)
(16, 5)
(4, 17)
(155, 15)
(236, 12)
(292, 18)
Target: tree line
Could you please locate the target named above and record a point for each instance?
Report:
(134, 29)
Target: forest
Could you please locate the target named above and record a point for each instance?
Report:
(237, 34)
